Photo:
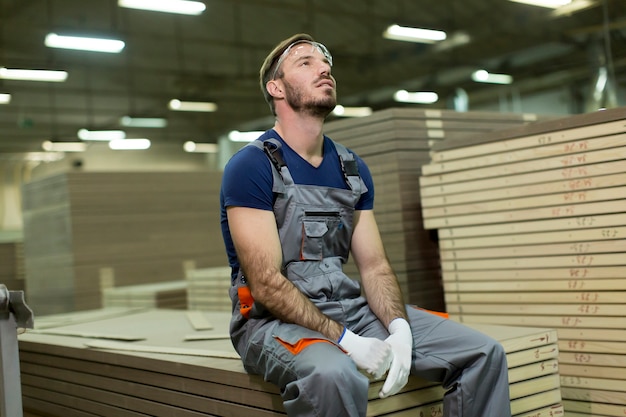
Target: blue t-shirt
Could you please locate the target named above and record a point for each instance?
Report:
(247, 180)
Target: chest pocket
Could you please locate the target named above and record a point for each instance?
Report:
(323, 234)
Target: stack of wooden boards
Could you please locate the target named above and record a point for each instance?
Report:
(207, 289)
(123, 363)
(11, 260)
(170, 294)
(86, 231)
(395, 143)
(531, 226)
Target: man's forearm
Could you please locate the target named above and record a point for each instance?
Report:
(383, 293)
(292, 306)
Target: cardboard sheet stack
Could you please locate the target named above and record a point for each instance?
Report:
(531, 226)
(11, 261)
(207, 289)
(117, 362)
(395, 143)
(171, 294)
(85, 231)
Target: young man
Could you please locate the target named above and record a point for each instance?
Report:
(294, 205)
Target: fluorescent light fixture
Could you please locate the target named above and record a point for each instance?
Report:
(167, 6)
(408, 34)
(32, 75)
(113, 46)
(552, 4)
(202, 106)
(420, 97)
(237, 136)
(572, 7)
(191, 146)
(129, 144)
(5, 98)
(482, 76)
(151, 122)
(85, 134)
(63, 146)
(342, 111)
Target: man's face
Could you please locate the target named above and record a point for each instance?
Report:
(309, 86)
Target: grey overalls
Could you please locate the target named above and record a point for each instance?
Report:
(315, 376)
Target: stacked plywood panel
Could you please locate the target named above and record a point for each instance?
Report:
(85, 231)
(11, 261)
(117, 362)
(207, 289)
(395, 143)
(531, 226)
(171, 294)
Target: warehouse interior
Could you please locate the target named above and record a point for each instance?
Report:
(112, 247)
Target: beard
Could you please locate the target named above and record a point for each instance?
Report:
(313, 106)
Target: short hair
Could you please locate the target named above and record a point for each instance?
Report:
(270, 62)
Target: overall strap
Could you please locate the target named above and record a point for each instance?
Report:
(350, 169)
(280, 172)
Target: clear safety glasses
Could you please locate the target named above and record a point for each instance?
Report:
(314, 46)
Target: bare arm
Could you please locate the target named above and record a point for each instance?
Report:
(379, 281)
(256, 240)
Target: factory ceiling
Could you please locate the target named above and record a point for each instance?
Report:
(215, 56)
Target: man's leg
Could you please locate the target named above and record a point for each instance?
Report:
(470, 365)
(316, 377)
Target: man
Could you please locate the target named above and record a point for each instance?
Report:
(294, 205)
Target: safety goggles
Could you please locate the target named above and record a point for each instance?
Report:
(314, 46)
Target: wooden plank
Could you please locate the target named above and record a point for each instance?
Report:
(533, 297)
(589, 248)
(556, 211)
(580, 261)
(575, 273)
(546, 130)
(603, 138)
(610, 221)
(552, 321)
(609, 410)
(545, 200)
(573, 178)
(553, 166)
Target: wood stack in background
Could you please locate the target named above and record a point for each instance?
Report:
(11, 260)
(117, 362)
(395, 143)
(207, 289)
(86, 231)
(171, 294)
(532, 232)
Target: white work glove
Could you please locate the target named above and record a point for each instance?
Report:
(401, 341)
(370, 354)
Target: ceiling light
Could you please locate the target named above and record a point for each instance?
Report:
(32, 75)
(5, 98)
(203, 106)
(63, 146)
(151, 122)
(420, 97)
(167, 6)
(129, 144)
(403, 33)
(342, 111)
(237, 136)
(482, 76)
(84, 44)
(552, 4)
(572, 7)
(85, 134)
(191, 146)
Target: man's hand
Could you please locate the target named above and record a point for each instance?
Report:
(401, 341)
(370, 354)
